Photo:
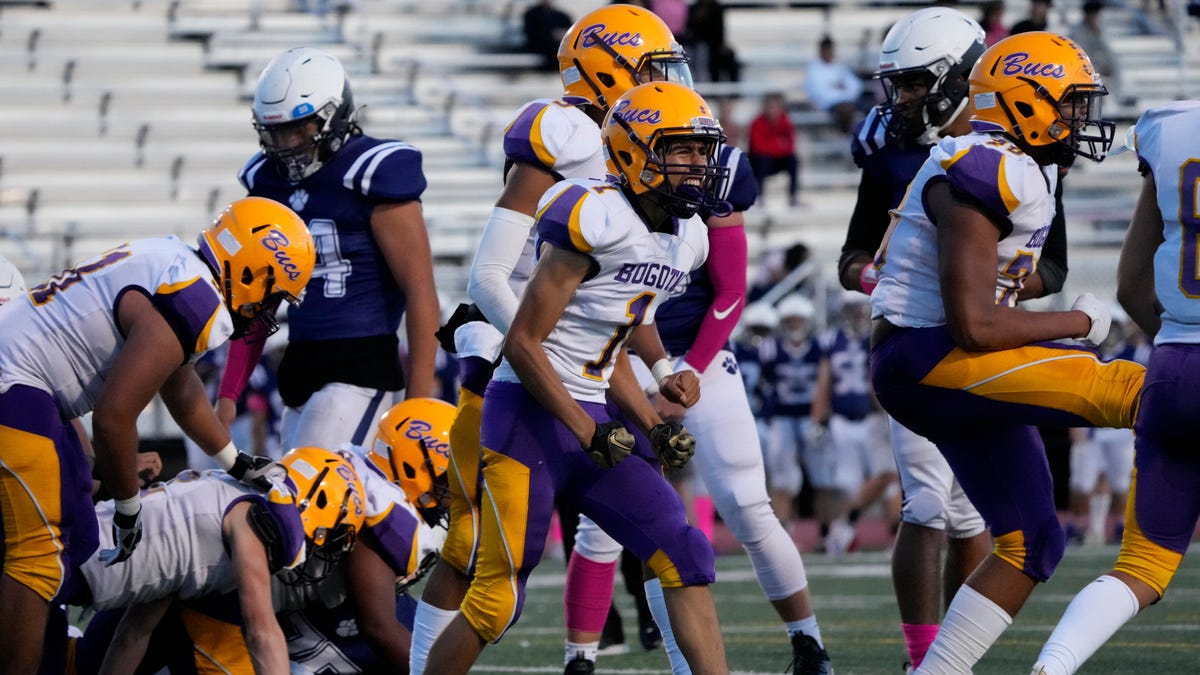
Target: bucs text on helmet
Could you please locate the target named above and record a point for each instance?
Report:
(412, 449)
(303, 110)
(329, 496)
(639, 132)
(262, 254)
(612, 49)
(930, 50)
(1041, 90)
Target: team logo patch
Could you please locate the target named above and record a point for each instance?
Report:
(276, 242)
(1019, 64)
(633, 115)
(420, 430)
(595, 35)
(298, 200)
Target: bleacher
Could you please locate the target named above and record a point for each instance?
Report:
(130, 118)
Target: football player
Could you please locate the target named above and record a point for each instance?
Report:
(209, 536)
(547, 140)
(1156, 285)
(104, 337)
(924, 63)
(955, 360)
(360, 197)
(611, 251)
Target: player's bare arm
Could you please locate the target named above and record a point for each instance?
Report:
(1135, 268)
(372, 587)
(150, 355)
(400, 232)
(624, 390)
(251, 572)
(132, 636)
(558, 273)
(681, 388)
(966, 266)
(187, 401)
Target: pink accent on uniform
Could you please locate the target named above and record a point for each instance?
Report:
(917, 638)
(242, 358)
(705, 515)
(591, 585)
(868, 279)
(727, 270)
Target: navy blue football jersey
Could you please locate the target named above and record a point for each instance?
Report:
(849, 362)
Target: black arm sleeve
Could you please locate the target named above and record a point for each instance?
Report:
(868, 222)
(1053, 264)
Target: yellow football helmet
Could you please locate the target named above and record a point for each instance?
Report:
(1041, 89)
(412, 449)
(263, 254)
(637, 133)
(615, 48)
(329, 496)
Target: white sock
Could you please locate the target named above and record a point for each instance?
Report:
(588, 649)
(428, 624)
(808, 626)
(972, 624)
(1098, 505)
(658, 609)
(1097, 611)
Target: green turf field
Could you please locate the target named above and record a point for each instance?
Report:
(860, 626)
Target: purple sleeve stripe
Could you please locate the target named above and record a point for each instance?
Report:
(190, 307)
(523, 139)
(558, 221)
(291, 528)
(979, 172)
(395, 531)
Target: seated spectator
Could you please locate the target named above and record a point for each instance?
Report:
(1038, 19)
(833, 86)
(992, 21)
(706, 45)
(1090, 37)
(773, 145)
(545, 26)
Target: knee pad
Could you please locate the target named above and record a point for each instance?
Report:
(745, 508)
(1035, 551)
(691, 563)
(926, 507)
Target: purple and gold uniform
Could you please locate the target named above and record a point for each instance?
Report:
(558, 136)
(530, 456)
(1160, 516)
(60, 342)
(326, 342)
(979, 408)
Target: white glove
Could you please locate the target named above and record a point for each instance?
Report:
(1101, 319)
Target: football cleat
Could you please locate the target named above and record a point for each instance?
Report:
(808, 658)
(579, 666)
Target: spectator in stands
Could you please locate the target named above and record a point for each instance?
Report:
(773, 145)
(674, 13)
(992, 20)
(545, 25)
(833, 86)
(1090, 37)
(706, 42)
(1038, 19)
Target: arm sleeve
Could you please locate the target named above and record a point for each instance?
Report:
(239, 364)
(499, 250)
(727, 270)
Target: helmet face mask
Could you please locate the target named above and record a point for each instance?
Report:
(934, 48)
(303, 110)
(615, 48)
(641, 135)
(1042, 91)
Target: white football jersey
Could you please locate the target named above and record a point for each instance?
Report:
(183, 551)
(12, 284)
(635, 272)
(64, 339)
(991, 173)
(558, 136)
(1166, 145)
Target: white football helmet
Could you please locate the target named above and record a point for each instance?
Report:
(939, 45)
(303, 110)
(12, 284)
(796, 305)
(760, 315)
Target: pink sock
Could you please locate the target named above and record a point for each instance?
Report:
(588, 593)
(705, 515)
(917, 638)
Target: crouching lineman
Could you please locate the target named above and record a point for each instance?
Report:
(610, 253)
(209, 536)
(105, 337)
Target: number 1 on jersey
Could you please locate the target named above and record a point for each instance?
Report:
(636, 311)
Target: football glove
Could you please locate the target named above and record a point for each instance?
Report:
(611, 443)
(127, 532)
(259, 473)
(1101, 318)
(463, 314)
(672, 443)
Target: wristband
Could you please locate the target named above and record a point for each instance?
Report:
(661, 370)
(226, 457)
(129, 507)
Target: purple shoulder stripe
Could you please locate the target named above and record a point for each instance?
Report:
(189, 310)
(396, 535)
(558, 221)
(977, 174)
(521, 140)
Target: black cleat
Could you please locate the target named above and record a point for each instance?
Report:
(579, 666)
(648, 634)
(808, 658)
